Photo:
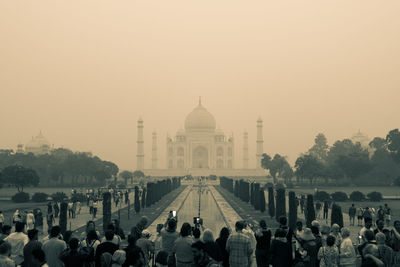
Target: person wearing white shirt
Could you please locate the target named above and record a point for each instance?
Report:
(1, 219)
(18, 240)
(347, 256)
(30, 220)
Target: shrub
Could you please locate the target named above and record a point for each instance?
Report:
(20, 197)
(337, 215)
(292, 210)
(280, 203)
(271, 202)
(322, 196)
(310, 211)
(137, 200)
(63, 217)
(375, 196)
(106, 210)
(78, 197)
(339, 196)
(59, 196)
(40, 197)
(357, 196)
(261, 199)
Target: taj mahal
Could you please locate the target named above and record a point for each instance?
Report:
(200, 149)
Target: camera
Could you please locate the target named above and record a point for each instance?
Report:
(197, 221)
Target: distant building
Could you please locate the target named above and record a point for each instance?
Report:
(361, 138)
(38, 145)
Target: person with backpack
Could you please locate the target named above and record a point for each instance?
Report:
(200, 256)
(107, 246)
(328, 255)
(352, 214)
(89, 246)
(360, 213)
(309, 248)
(71, 256)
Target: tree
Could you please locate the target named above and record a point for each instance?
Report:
(393, 144)
(137, 200)
(292, 210)
(320, 148)
(126, 175)
(337, 215)
(144, 198)
(261, 199)
(309, 167)
(278, 166)
(280, 203)
(310, 211)
(271, 203)
(106, 210)
(378, 143)
(20, 177)
(63, 217)
(138, 174)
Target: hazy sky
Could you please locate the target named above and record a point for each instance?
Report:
(84, 71)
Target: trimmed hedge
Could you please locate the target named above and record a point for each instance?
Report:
(292, 210)
(322, 196)
(20, 197)
(339, 196)
(375, 196)
(79, 197)
(271, 202)
(40, 197)
(337, 215)
(280, 207)
(357, 196)
(59, 196)
(310, 211)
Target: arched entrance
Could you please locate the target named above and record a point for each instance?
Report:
(200, 157)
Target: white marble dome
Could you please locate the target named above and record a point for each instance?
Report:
(200, 120)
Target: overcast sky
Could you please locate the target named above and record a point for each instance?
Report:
(83, 72)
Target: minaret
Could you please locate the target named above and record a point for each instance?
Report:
(154, 152)
(260, 143)
(245, 150)
(140, 146)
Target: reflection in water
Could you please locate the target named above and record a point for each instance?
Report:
(212, 217)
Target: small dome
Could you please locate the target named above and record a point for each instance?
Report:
(38, 142)
(200, 119)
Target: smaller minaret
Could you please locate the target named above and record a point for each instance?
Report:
(260, 143)
(154, 152)
(140, 146)
(245, 150)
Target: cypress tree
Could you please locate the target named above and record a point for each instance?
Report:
(137, 200)
(310, 214)
(149, 194)
(280, 203)
(144, 197)
(236, 193)
(337, 215)
(261, 199)
(63, 217)
(257, 200)
(292, 210)
(252, 194)
(271, 203)
(106, 210)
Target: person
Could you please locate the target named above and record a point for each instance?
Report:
(385, 253)
(380, 224)
(134, 255)
(136, 231)
(352, 214)
(18, 240)
(200, 256)
(183, 247)
(381, 213)
(367, 226)
(95, 206)
(168, 237)
(54, 247)
(263, 240)
(196, 234)
(368, 239)
(395, 242)
(50, 218)
(367, 214)
(106, 246)
(221, 241)
(388, 214)
(325, 232)
(118, 230)
(157, 239)
(328, 255)
(302, 204)
(360, 213)
(5, 251)
(71, 256)
(116, 238)
(162, 259)
(30, 220)
(326, 210)
(33, 244)
(90, 226)
(310, 248)
(90, 204)
(70, 210)
(146, 245)
(89, 246)
(335, 231)
(5, 231)
(1, 219)
(67, 236)
(211, 248)
(288, 231)
(347, 256)
(318, 207)
(370, 253)
(239, 248)
(56, 207)
(280, 255)
(16, 217)
(118, 258)
(39, 258)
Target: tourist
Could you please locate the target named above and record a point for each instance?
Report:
(107, 246)
(302, 200)
(91, 205)
(388, 214)
(370, 257)
(381, 214)
(385, 252)
(136, 231)
(200, 256)
(90, 226)
(368, 240)
(74, 207)
(168, 237)
(318, 207)
(360, 213)
(95, 205)
(280, 255)
(91, 241)
(1, 220)
(335, 231)
(70, 210)
(326, 210)
(157, 240)
(380, 224)
(50, 218)
(238, 247)
(196, 234)
(5, 231)
(367, 226)
(54, 247)
(118, 230)
(16, 217)
(288, 231)
(67, 236)
(118, 258)
(56, 207)
(17, 240)
(352, 213)
(310, 248)
(221, 241)
(39, 258)
(263, 239)
(162, 259)
(325, 232)
(134, 255)
(116, 238)
(5, 251)
(183, 247)
(146, 245)
(328, 255)
(33, 244)
(367, 214)
(211, 247)
(395, 242)
(71, 257)
(347, 256)
(30, 220)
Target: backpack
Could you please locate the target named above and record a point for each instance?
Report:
(87, 252)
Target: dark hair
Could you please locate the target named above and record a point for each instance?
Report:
(224, 233)
(6, 228)
(109, 234)
(280, 233)
(186, 229)
(73, 243)
(4, 247)
(90, 222)
(263, 224)
(239, 225)
(330, 240)
(368, 219)
(314, 230)
(196, 232)
(39, 254)
(379, 220)
(32, 233)
(171, 224)
(283, 220)
(369, 235)
(111, 227)
(55, 231)
(162, 257)
(92, 235)
(199, 245)
(67, 236)
(131, 240)
(19, 226)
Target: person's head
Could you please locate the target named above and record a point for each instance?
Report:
(208, 236)
(282, 221)
(239, 226)
(73, 243)
(369, 235)
(146, 234)
(263, 224)
(367, 208)
(325, 230)
(280, 233)
(5, 248)
(90, 225)
(131, 240)
(380, 207)
(380, 238)
(330, 241)
(224, 233)
(196, 233)
(198, 250)
(67, 236)
(380, 224)
(115, 222)
(162, 257)
(143, 221)
(371, 249)
(171, 224)
(33, 234)
(367, 222)
(335, 228)
(345, 232)
(19, 227)
(92, 235)
(386, 205)
(352, 205)
(109, 234)
(38, 256)
(119, 256)
(55, 231)
(6, 229)
(299, 225)
(315, 223)
(396, 225)
(186, 229)
(111, 227)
